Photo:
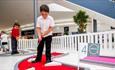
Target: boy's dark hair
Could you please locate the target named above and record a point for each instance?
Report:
(44, 8)
(3, 32)
(16, 24)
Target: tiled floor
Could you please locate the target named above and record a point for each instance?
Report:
(8, 62)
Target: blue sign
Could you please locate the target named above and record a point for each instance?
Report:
(93, 49)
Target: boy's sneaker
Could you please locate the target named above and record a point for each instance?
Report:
(35, 61)
(3, 50)
(7, 49)
(17, 53)
(48, 61)
(12, 53)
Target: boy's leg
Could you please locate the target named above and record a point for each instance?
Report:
(48, 48)
(3, 46)
(6, 47)
(39, 51)
(0, 45)
(16, 46)
(13, 43)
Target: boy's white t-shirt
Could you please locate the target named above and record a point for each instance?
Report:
(4, 38)
(44, 24)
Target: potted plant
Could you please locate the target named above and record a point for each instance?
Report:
(81, 20)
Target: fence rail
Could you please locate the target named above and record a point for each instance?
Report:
(71, 42)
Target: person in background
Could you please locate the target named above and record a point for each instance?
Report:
(44, 28)
(4, 41)
(15, 34)
(0, 41)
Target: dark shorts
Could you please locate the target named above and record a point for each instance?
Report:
(4, 43)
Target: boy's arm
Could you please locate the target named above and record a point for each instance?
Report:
(19, 36)
(19, 32)
(38, 30)
(1, 37)
(48, 31)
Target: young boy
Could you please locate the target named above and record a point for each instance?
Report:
(44, 28)
(4, 41)
(14, 38)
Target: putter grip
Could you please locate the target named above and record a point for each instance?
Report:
(40, 39)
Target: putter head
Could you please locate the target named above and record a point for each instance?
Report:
(53, 64)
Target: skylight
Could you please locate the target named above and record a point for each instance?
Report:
(57, 7)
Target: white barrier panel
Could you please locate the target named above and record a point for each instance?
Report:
(83, 50)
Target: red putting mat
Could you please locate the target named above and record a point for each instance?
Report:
(98, 59)
(24, 65)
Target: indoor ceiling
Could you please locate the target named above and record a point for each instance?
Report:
(22, 11)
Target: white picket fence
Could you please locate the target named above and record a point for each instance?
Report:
(27, 44)
(71, 42)
(24, 44)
